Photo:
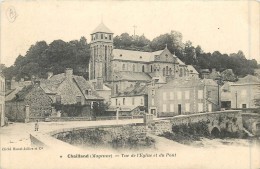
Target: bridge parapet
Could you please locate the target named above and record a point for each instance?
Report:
(230, 121)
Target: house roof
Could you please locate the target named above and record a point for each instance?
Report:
(20, 96)
(102, 28)
(131, 55)
(85, 85)
(192, 70)
(136, 90)
(214, 74)
(249, 79)
(51, 85)
(188, 82)
(132, 76)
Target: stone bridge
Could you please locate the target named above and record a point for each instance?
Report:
(251, 121)
(230, 121)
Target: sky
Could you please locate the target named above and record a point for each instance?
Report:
(225, 26)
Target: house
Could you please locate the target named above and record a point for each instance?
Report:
(185, 95)
(68, 89)
(2, 99)
(30, 102)
(241, 94)
(131, 98)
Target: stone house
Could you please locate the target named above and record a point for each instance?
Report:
(183, 96)
(69, 89)
(131, 98)
(241, 94)
(30, 102)
(2, 99)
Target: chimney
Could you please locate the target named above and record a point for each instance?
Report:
(50, 74)
(69, 73)
(99, 83)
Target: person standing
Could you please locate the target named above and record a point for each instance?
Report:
(37, 125)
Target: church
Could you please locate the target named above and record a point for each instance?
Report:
(123, 69)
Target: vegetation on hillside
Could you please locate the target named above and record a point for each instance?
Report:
(58, 55)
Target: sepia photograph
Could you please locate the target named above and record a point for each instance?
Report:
(129, 84)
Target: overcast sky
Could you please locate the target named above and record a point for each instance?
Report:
(214, 25)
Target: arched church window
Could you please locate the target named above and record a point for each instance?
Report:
(167, 71)
(170, 71)
(151, 68)
(143, 68)
(163, 71)
(116, 89)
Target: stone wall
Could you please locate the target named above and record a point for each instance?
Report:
(251, 121)
(101, 135)
(230, 121)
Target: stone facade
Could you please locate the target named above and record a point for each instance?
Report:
(2, 100)
(183, 96)
(241, 94)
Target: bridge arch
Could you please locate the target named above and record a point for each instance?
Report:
(215, 131)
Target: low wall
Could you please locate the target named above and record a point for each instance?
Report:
(223, 120)
(102, 135)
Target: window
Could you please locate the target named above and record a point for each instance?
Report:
(110, 37)
(89, 92)
(86, 92)
(143, 68)
(102, 36)
(167, 70)
(187, 94)
(142, 102)
(96, 36)
(123, 67)
(78, 99)
(243, 106)
(116, 101)
(200, 94)
(133, 100)
(200, 107)
(152, 101)
(171, 96)
(164, 107)
(181, 72)
(163, 71)
(58, 99)
(123, 101)
(170, 71)
(187, 107)
(164, 96)
(151, 68)
(171, 107)
(179, 95)
(133, 68)
(153, 92)
(92, 37)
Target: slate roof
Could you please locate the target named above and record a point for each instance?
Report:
(249, 79)
(51, 85)
(192, 69)
(132, 76)
(188, 82)
(131, 55)
(137, 90)
(20, 96)
(102, 28)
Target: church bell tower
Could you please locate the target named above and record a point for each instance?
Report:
(101, 46)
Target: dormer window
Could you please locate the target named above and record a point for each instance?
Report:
(88, 92)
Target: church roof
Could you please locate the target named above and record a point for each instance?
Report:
(131, 55)
(132, 76)
(102, 28)
(180, 62)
